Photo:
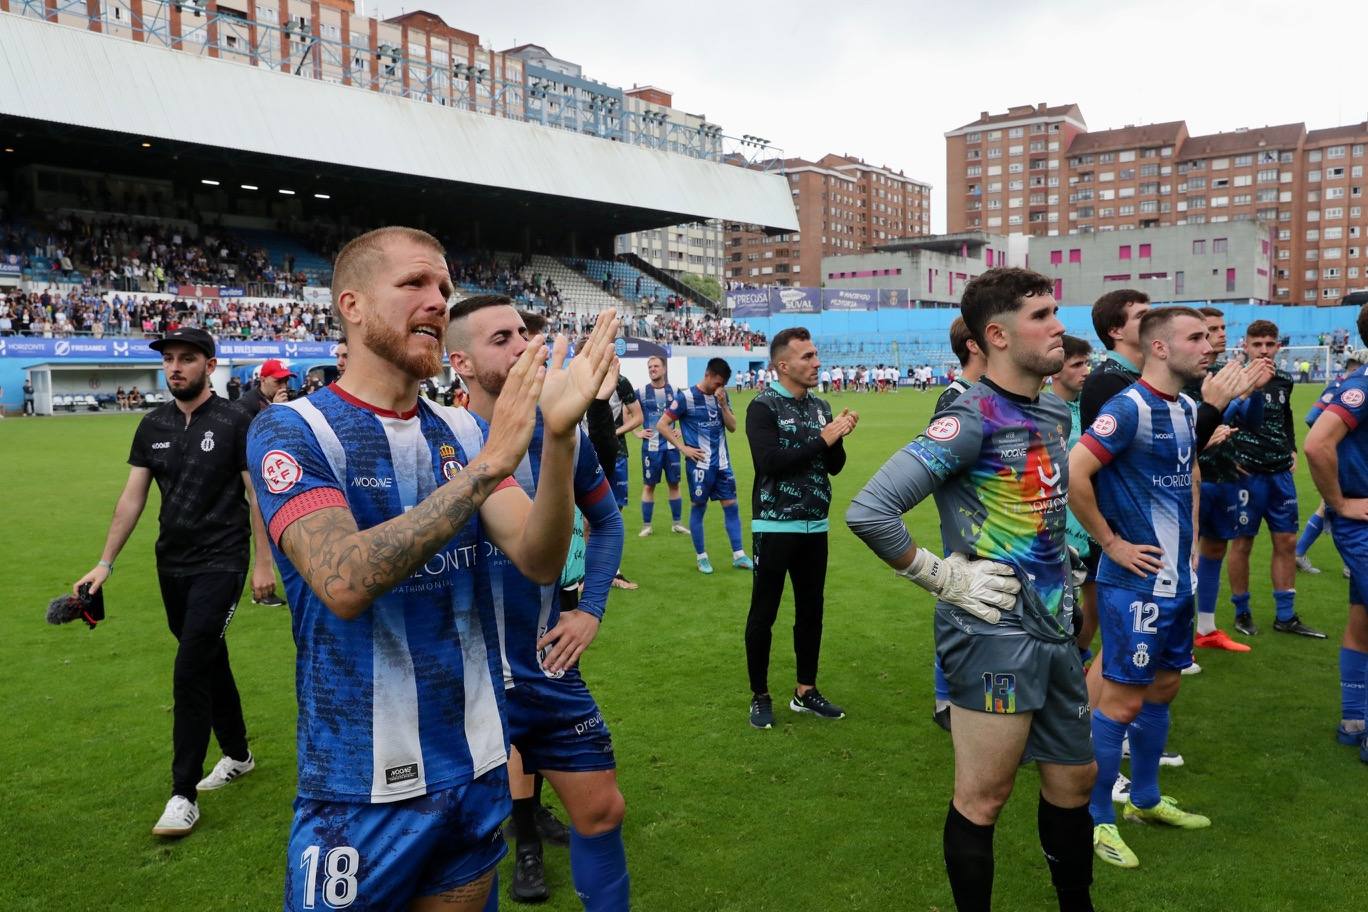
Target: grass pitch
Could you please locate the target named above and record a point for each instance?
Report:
(812, 815)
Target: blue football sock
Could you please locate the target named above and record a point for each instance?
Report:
(1283, 600)
(1353, 692)
(1310, 533)
(676, 508)
(1107, 737)
(598, 867)
(942, 685)
(1148, 735)
(696, 512)
(647, 511)
(1241, 603)
(1208, 583)
(731, 518)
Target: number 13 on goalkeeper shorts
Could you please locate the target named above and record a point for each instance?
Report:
(999, 693)
(340, 868)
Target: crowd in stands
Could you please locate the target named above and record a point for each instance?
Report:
(513, 278)
(706, 330)
(50, 313)
(147, 256)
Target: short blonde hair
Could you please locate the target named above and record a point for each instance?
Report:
(355, 265)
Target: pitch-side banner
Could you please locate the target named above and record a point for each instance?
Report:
(749, 302)
(894, 299)
(796, 301)
(850, 299)
(84, 348)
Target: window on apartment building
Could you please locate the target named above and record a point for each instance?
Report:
(1335, 152)
(1056, 257)
(1123, 252)
(1015, 133)
(1219, 245)
(1220, 164)
(1076, 255)
(1244, 161)
(1284, 234)
(1118, 277)
(1334, 234)
(1313, 234)
(1267, 176)
(1313, 155)
(1145, 251)
(1334, 173)
(1329, 293)
(1126, 210)
(1218, 202)
(1014, 150)
(1334, 212)
(1332, 253)
(1059, 289)
(1230, 279)
(1220, 183)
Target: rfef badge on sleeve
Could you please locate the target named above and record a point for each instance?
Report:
(449, 464)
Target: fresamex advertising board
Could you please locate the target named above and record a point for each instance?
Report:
(796, 301)
(749, 302)
(137, 349)
(850, 299)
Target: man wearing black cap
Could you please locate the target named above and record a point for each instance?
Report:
(195, 449)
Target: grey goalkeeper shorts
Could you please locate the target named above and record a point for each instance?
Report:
(1017, 673)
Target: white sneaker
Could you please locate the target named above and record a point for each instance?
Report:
(1121, 790)
(684, 530)
(225, 771)
(1305, 566)
(1165, 759)
(178, 819)
(646, 531)
(1193, 669)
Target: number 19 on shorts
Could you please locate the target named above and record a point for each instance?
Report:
(340, 868)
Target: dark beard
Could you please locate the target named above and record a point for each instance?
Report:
(191, 390)
(490, 382)
(392, 345)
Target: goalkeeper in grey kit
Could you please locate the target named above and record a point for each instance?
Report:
(996, 461)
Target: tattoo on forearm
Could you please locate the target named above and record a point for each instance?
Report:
(340, 562)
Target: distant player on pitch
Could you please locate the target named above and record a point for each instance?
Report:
(705, 418)
(659, 457)
(996, 462)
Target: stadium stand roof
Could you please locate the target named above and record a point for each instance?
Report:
(516, 176)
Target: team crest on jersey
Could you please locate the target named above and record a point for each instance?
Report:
(1141, 657)
(450, 466)
(1353, 398)
(1104, 426)
(947, 427)
(999, 693)
(280, 471)
(207, 444)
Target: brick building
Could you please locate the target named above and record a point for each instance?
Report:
(1307, 186)
(844, 206)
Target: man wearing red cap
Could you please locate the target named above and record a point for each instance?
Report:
(273, 385)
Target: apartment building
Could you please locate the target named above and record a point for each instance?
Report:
(1307, 186)
(845, 205)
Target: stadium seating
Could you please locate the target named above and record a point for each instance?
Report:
(631, 283)
(578, 294)
(316, 268)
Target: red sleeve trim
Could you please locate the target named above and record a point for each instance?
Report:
(1344, 414)
(1103, 455)
(671, 415)
(588, 499)
(302, 505)
(509, 482)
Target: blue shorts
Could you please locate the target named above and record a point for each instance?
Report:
(710, 484)
(556, 725)
(1351, 541)
(1142, 633)
(654, 461)
(1218, 510)
(619, 479)
(381, 856)
(1272, 497)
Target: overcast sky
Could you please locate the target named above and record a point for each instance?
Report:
(885, 80)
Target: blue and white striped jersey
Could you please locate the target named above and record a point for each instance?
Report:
(405, 699)
(1146, 442)
(655, 401)
(700, 423)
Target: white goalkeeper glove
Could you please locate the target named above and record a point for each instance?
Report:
(1078, 570)
(983, 588)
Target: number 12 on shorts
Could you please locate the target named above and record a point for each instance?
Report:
(340, 868)
(1144, 617)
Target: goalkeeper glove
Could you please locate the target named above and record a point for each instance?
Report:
(983, 588)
